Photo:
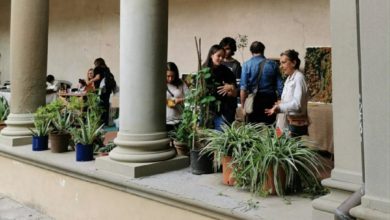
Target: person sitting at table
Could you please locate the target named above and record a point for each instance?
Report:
(51, 84)
(82, 86)
(89, 82)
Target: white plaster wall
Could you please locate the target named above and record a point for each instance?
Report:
(280, 25)
(5, 16)
(81, 30)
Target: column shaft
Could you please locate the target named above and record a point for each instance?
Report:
(375, 69)
(28, 52)
(346, 176)
(143, 53)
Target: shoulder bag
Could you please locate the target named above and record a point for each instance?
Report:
(248, 105)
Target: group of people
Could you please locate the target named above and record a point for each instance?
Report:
(276, 101)
(95, 81)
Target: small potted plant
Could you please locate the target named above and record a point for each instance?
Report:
(40, 134)
(4, 111)
(181, 135)
(232, 140)
(60, 136)
(86, 135)
(105, 150)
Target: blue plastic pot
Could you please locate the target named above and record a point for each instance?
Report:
(84, 152)
(40, 143)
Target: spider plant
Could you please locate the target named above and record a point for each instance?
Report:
(276, 159)
(232, 140)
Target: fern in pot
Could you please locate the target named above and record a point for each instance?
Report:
(85, 135)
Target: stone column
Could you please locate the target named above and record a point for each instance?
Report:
(28, 52)
(375, 70)
(346, 177)
(143, 55)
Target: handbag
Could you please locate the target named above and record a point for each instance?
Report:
(248, 105)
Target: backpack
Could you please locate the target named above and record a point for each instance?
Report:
(110, 82)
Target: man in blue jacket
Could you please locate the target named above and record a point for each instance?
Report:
(269, 88)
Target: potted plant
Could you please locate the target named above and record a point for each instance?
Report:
(105, 150)
(86, 135)
(40, 133)
(198, 103)
(274, 163)
(60, 136)
(181, 135)
(233, 140)
(4, 111)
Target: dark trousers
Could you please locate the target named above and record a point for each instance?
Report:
(296, 131)
(105, 103)
(260, 103)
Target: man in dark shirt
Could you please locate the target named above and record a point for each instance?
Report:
(269, 89)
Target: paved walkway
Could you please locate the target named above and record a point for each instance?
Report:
(12, 210)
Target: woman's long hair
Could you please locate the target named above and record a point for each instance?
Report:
(213, 49)
(176, 79)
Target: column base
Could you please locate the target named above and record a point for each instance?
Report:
(18, 125)
(135, 170)
(361, 212)
(325, 206)
(14, 141)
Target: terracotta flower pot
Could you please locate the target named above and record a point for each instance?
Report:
(181, 148)
(227, 171)
(269, 185)
(2, 125)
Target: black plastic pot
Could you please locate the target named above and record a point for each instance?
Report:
(201, 164)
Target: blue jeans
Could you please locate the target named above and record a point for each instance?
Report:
(219, 120)
(296, 131)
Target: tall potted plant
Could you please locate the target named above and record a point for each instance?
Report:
(86, 135)
(199, 102)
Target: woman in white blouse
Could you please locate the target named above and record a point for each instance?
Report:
(176, 90)
(294, 97)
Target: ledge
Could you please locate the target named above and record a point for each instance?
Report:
(203, 194)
